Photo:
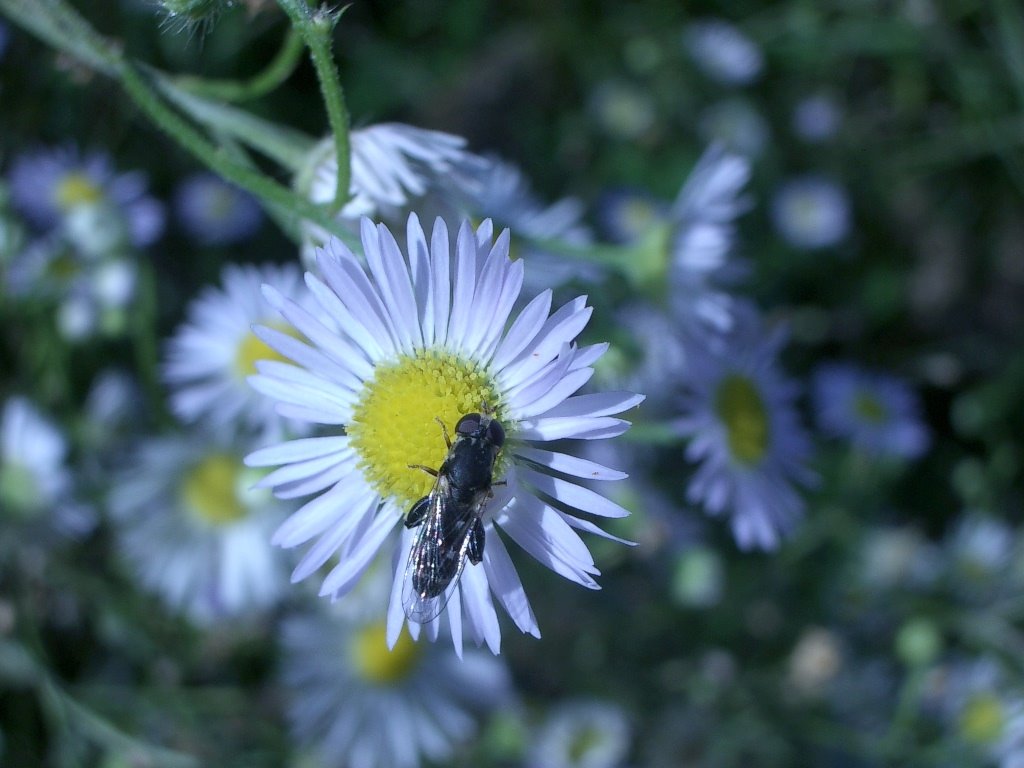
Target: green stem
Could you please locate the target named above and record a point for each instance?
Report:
(275, 73)
(144, 342)
(316, 28)
(284, 145)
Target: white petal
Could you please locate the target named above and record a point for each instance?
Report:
(597, 404)
(296, 450)
(301, 470)
(542, 401)
(334, 539)
(486, 293)
(440, 250)
(419, 268)
(366, 331)
(569, 465)
(396, 613)
(572, 495)
(321, 512)
(348, 279)
(346, 573)
(562, 327)
(505, 584)
(478, 605)
(523, 330)
(589, 527)
(318, 482)
(463, 288)
(455, 619)
(539, 530)
(349, 375)
(506, 300)
(581, 428)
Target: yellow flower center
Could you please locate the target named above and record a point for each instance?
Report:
(76, 189)
(375, 663)
(981, 721)
(252, 348)
(394, 423)
(867, 407)
(740, 407)
(210, 490)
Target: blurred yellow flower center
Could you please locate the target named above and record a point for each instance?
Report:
(981, 721)
(210, 489)
(868, 408)
(584, 741)
(740, 407)
(76, 189)
(252, 348)
(375, 663)
(394, 423)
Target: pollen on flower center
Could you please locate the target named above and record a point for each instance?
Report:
(76, 189)
(869, 408)
(375, 663)
(210, 490)
(252, 348)
(394, 424)
(740, 407)
(981, 721)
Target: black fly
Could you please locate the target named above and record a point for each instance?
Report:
(451, 529)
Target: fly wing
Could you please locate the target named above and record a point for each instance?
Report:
(437, 557)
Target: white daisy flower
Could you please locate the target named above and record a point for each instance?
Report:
(702, 240)
(354, 702)
(425, 337)
(215, 212)
(391, 165)
(811, 211)
(211, 356)
(582, 734)
(36, 484)
(33, 475)
(745, 435)
(47, 185)
(194, 529)
(984, 709)
(880, 414)
(723, 52)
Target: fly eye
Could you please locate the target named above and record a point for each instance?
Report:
(496, 433)
(468, 424)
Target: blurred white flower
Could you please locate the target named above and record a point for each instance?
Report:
(211, 355)
(355, 702)
(215, 212)
(745, 437)
(194, 530)
(582, 734)
(811, 212)
(392, 165)
(49, 185)
(723, 52)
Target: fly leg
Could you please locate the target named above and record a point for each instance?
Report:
(475, 550)
(417, 512)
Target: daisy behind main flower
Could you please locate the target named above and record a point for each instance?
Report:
(745, 435)
(425, 337)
